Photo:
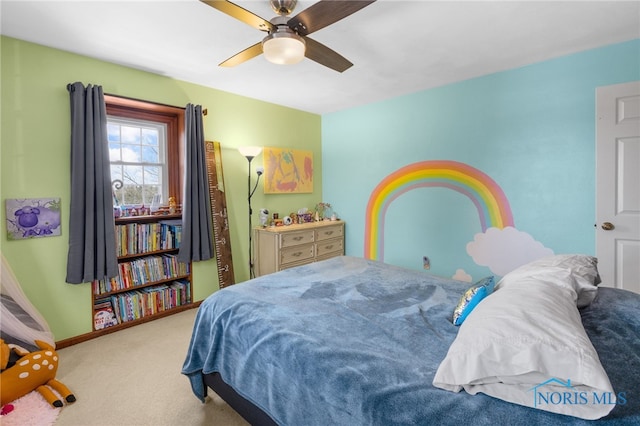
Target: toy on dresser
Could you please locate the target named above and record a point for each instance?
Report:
(264, 217)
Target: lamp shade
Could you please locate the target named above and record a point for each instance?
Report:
(283, 47)
(250, 151)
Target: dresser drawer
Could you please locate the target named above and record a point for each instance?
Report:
(328, 232)
(293, 264)
(288, 239)
(324, 248)
(296, 254)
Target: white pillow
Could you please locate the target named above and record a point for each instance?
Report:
(572, 271)
(525, 341)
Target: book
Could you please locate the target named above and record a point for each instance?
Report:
(103, 315)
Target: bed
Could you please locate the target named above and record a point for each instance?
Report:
(350, 341)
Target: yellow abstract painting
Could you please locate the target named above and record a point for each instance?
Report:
(287, 171)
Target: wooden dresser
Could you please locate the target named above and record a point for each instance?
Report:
(282, 247)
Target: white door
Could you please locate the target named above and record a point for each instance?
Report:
(618, 185)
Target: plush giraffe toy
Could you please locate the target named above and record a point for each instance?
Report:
(34, 371)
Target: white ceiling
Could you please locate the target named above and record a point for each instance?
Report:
(397, 47)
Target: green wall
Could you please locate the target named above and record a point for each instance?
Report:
(35, 154)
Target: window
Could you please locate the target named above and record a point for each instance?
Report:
(137, 152)
(145, 149)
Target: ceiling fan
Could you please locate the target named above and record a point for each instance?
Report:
(287, 41)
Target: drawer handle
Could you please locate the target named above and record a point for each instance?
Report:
(297, 254)
(298, 238)
(328, 232)
(329, 247)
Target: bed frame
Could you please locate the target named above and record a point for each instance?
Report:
(246, 409)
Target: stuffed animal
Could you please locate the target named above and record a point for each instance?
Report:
(33, 371)
(264, 216)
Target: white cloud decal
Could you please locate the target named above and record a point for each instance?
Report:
(461, 275)
(503, 250)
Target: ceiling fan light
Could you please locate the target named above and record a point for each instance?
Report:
(283, 47)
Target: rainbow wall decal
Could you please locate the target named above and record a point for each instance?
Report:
(489, 199)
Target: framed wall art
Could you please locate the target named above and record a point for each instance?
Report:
(32, 218)
(287, 171)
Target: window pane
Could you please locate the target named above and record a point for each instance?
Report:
(131, 153)
(150, 154)
(132, 175)
(116, 173)
(130, 134)
(149, 192)
(113, 132)
(114, 151)
(150, 137)
(132, 195)
(152, 175)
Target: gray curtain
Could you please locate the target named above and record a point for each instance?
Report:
(92, 243)
(197, 226)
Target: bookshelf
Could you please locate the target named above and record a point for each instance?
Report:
(151, 282)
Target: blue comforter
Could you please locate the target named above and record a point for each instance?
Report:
(349, 341)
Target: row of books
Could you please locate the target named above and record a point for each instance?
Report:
(142, 271)
(137, 238)
(137, 304)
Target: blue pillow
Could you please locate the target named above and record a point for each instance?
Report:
(471, 298)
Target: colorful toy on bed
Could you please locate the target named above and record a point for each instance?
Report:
(33, 371)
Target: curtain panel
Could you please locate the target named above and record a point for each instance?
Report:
(197, 225)
(92, 244)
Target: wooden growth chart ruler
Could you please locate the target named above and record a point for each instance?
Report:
(219, 214)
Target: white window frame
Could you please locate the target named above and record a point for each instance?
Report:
(161, 128)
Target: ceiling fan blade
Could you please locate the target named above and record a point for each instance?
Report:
(245, 55)
(241, 14)
(323, 13)
(320, 53)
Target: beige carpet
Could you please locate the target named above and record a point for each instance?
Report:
(132, 377)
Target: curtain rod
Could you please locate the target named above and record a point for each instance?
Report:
(204, 110)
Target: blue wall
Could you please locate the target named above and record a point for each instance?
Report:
(532, 130)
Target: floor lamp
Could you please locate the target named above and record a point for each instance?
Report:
(250, 152)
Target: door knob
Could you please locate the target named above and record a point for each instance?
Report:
(607, 226)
